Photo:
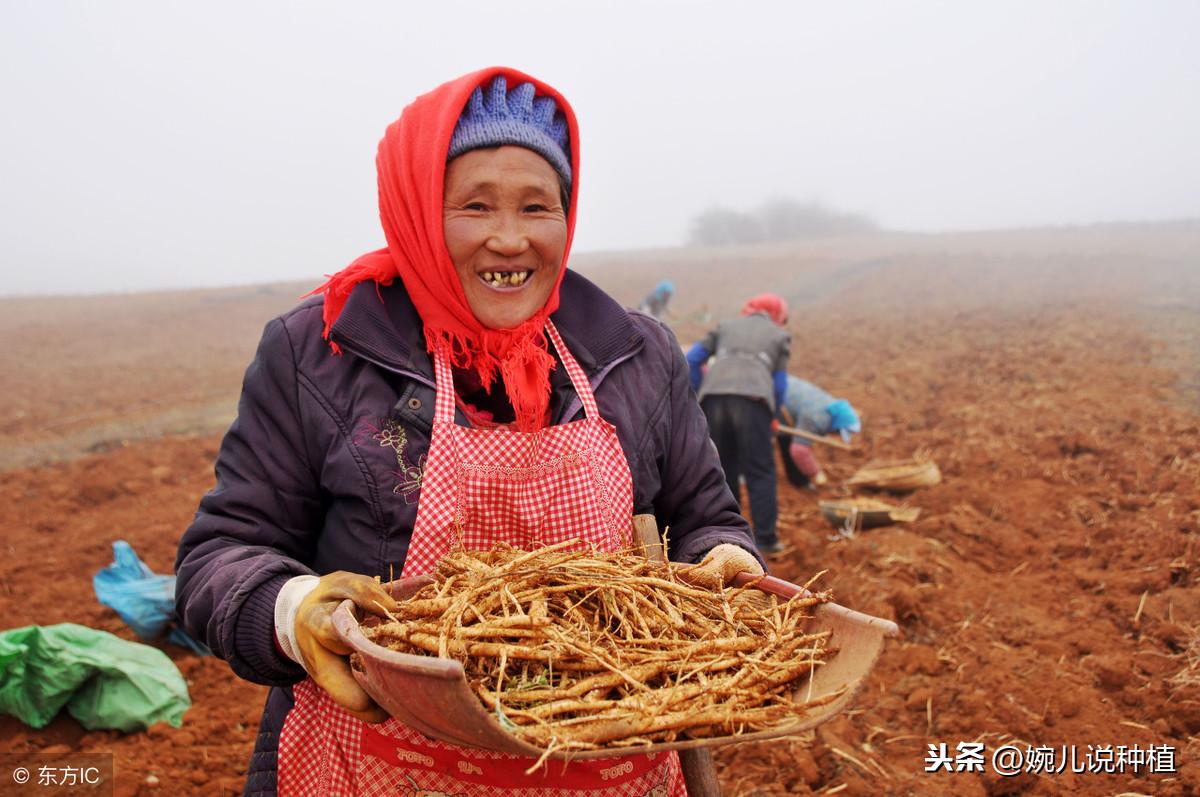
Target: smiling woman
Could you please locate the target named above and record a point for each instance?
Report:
(501, 398)
(506, 231)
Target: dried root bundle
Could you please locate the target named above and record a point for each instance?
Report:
(583, 650)
(898, 476)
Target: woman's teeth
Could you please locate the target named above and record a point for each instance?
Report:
(505, 279)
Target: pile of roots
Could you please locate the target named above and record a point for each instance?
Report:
(579, 650)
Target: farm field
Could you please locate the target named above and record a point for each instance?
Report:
(1047, 594)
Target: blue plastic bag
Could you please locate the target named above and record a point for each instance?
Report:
(144, 599)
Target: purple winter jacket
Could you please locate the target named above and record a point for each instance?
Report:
(321, 470)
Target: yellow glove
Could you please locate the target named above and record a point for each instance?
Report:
(719, 566)
(325, 657)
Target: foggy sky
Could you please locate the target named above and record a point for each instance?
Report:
(157, 144)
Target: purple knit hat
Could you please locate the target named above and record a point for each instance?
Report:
(495, 116)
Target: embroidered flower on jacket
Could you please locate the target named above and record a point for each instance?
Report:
(393, 436)
(408, 475)
(409, 484)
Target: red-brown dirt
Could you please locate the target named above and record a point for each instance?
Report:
(1047, 593)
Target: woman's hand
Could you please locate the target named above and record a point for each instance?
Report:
(325, 656)
(719, 566)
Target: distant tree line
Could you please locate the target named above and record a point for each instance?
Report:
(779, 219)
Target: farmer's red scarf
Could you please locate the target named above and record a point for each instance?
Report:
(412, 164)
(768, 303)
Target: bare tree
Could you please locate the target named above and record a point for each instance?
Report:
(778, 219)
(719, 226)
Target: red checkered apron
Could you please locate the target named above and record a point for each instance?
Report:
(481, 487)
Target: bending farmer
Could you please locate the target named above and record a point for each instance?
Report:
(810, 409)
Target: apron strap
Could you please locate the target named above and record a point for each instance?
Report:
(444, 381)
(443, 402)
(578, 378)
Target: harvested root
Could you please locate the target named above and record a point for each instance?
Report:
(898, 476)
(574, 649)
(865, 513)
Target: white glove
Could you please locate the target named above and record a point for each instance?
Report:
(719, 566)
(286, 604)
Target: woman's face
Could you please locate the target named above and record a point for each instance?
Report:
(506, 230)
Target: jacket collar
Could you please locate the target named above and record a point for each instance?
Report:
(380, 324)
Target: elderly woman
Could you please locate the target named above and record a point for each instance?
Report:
(488, 394)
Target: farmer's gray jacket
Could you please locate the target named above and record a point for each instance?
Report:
(322, 469)
(746, 352)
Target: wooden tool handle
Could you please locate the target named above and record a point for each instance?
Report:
(771, 584)
(699, 772)
(645, 533)
(816, 438)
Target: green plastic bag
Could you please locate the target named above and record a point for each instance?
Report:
(104, 681)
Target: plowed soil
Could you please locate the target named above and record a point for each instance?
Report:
(1047, 594)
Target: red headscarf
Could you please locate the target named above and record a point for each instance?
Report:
(774, 306)
(412, 165)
